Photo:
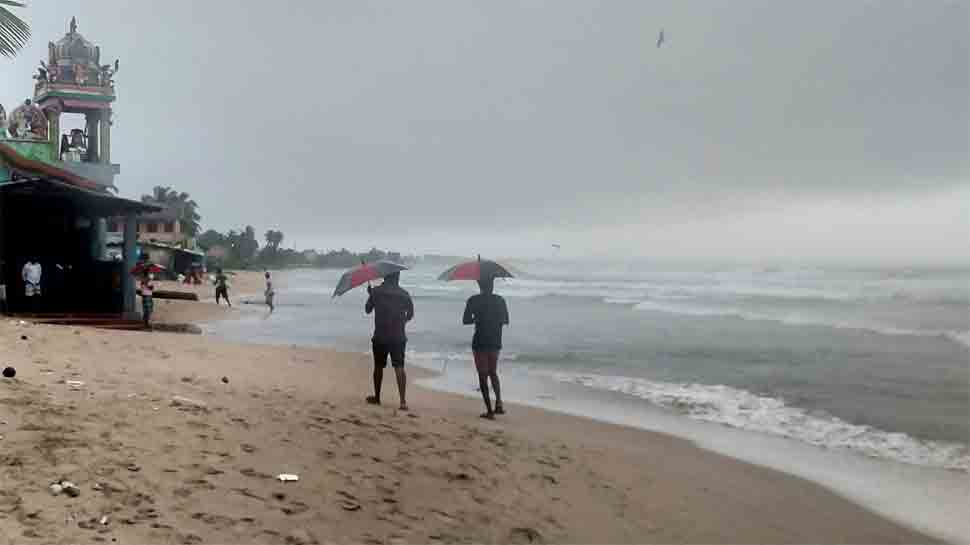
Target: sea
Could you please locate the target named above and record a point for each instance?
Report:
(855, 378)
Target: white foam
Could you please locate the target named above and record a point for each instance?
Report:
(962, 337)
(745, 410)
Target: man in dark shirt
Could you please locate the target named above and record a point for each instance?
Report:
(392, 308)
(222, 288)
(489, 313)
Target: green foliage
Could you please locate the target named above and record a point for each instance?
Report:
(14, 32)
(186, 208)
(274, 239)
(211, 239)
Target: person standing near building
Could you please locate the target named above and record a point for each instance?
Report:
(31, 275)
(222, 288)
(392, 308)
(489, 314)
(147, 288)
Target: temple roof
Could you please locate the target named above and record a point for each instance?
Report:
(74, 48)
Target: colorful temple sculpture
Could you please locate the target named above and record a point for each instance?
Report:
(57, 190)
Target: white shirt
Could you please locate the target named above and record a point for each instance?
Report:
(32, 272)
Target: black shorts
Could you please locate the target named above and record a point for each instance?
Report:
(222, 292)
(382, 350)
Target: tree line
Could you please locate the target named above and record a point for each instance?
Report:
(240, 249)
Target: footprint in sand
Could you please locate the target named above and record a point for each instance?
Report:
(200, 484)
(248, 493)
(295, 508)
(250, 472)
(213, 519)
(524, 535)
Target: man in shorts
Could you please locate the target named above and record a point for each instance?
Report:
(392, 308)
(489, 313)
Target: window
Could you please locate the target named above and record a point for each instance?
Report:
(151, 227)
(169, 226)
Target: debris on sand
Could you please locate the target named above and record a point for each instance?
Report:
(9, 372)
(287, 477)
(66, 487)
(188, 403)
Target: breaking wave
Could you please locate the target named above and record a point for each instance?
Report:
(959, 337)
(748, 411)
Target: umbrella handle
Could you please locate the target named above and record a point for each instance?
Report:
(362, 263)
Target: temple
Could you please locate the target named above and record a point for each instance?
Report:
(57, 190)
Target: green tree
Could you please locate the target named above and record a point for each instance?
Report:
(274, 239)
(211, 238)
(243, 245)
(14, 32)
(182, 203)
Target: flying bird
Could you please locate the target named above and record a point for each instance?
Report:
(660, 39)
(556, 246)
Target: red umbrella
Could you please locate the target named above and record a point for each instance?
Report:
(476, 270)
(146, 266)
(366, 273)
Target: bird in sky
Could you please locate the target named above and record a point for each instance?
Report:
(660, 39)
(556, 246)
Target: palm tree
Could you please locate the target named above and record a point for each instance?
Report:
(274, 239)
(186, 208)
(14, 32)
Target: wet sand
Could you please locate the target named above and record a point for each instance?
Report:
(169, 452)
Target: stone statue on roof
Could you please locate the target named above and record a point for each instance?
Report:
(28, 122)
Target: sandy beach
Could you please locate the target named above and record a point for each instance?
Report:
(179, 439)
(243, 286)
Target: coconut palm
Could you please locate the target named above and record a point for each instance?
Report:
(14, 32)
(274, 239)
(186, 208)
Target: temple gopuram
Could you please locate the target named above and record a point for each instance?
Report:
(57, 190)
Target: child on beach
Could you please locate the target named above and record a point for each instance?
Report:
(147, 298)
(269, 293)
(222, 289)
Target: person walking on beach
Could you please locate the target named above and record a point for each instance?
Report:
(269, 293)
(392, 308)
(489, 313)
(222, 289)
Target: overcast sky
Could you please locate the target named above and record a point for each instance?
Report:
(761, 129)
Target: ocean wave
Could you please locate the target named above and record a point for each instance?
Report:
(745, 410)
(959, 337)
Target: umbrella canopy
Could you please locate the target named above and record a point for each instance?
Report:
(147, 267)
(365, 273)
(475, 270)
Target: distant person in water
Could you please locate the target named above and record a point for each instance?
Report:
(222, 288)
(489, 313)
(392, 308)
(269, 293)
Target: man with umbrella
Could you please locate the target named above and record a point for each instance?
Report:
(489, 314)
(392, 308)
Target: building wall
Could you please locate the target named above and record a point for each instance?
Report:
(169, 232)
